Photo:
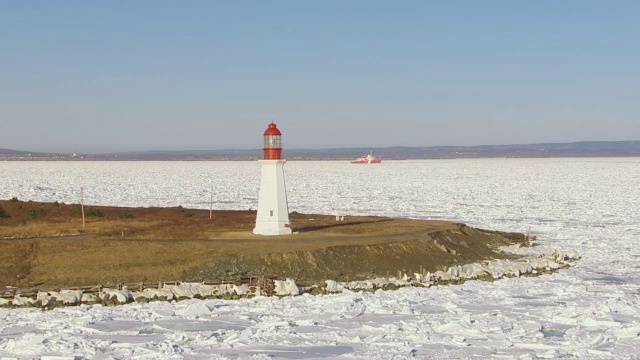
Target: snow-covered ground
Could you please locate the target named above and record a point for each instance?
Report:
(592, 310)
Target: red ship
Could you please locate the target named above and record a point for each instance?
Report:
(369, 159)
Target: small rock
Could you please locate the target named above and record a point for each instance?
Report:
(316, 290)
(390, 286)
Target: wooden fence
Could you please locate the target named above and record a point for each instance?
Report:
(259, 281)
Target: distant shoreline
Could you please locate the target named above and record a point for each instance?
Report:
(548, 150)
(91, 159)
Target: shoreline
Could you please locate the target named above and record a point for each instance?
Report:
(489, 271)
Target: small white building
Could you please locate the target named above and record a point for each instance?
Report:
(273, 210)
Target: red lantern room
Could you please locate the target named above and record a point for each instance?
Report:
(272, 143)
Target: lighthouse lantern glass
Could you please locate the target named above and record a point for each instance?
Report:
(272, 142)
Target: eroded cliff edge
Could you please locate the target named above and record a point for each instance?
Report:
(430, 251)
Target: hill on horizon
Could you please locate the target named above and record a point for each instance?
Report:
(573, 149)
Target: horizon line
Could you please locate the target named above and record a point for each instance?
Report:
(321, 149)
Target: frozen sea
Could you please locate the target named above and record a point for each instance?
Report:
(589, 311)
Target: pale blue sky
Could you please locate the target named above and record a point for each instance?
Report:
(101, 76)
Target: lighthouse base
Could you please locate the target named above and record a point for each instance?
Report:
(269, 228)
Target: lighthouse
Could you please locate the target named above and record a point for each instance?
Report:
(273, 211)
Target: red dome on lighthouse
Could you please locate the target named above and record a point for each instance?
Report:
(272, 130)
(272, 147)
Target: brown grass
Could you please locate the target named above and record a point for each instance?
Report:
(45, 243)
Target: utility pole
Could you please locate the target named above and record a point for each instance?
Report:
(211, 204)
(82, 205)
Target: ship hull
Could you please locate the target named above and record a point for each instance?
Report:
(373, 161)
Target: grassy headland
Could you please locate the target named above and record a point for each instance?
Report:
(44, 244)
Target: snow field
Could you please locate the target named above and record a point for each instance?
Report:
(589, 311)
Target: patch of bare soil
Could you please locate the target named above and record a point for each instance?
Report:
(44, 244)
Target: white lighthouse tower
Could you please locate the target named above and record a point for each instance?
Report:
(273, 211)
